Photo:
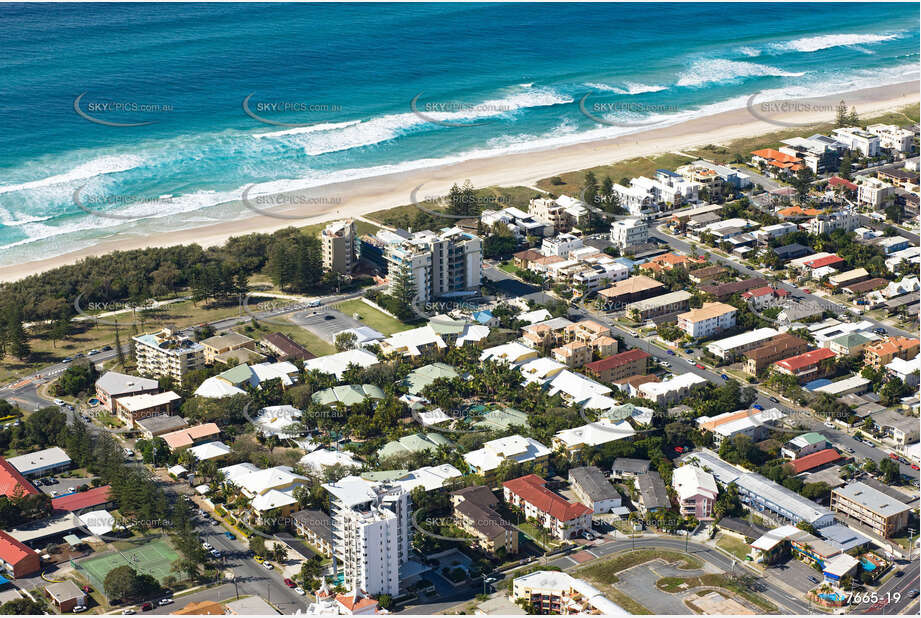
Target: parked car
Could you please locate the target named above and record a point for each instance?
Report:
(893, 456)
(128, 612)
(315, 303)
(93, 351)
(757, 406)
(230, 535)
(670, 352)
(774, 400)
(106, 348)
(59, 402)
(699, 366)
(66, 360)
(300, 591)
(666, 364)
(724, 376)
(146, 607)
(79, 608)
(912, 593)
(267, 566)
(290, 583)
(163, 602)
(813, 579)
(915, 467)
(207, 546)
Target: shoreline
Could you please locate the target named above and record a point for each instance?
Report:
(363, 196)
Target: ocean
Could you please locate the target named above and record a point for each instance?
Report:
(124, 119)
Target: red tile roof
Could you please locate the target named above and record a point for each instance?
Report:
(835, 181)
(531, 489)
(355, 603)
(617, 360)
(814, 460)
(829, 260)
(10, 479)
(83, 499)
(780, 292)
(13, 552)
(776, 155)
(795, 363)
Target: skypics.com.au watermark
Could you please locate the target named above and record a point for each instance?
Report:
(442, 112)
(118, 112)
(264, 110)
(99, 205)
(96, 307)
(602, 112)
(308, 205)
(782, 113)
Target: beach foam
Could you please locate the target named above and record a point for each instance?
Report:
(720, 70)
(96, 167)
(818, 43)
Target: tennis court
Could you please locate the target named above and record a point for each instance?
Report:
(151, 556)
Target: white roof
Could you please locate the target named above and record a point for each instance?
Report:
(364, 335)
(203, 488)
(410, 340)
(737, 341)
(39, 460)
(690, 481)
(473, 333)
(98, 522)
(116, 383)
(216, 388)
(336, 364)
(210, 450)
(771, 538)
(325, 458)
(532, 317)
(576, 386)
(539, 369)
(273, 499)
(564, 583)
(260, 481)
(516, 448)
(177, 470)
(433, 417)
(592, 434)
(904, 367)
(284, 371)
(677, 383)
(840, 386)
(352, 490)
(275, 420)
(136, 403)
(512, 352)
(840, 565)
(429, 477)
(236, 471)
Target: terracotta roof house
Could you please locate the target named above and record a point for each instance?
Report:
(12, 482)
(191, 436)
(814, 460)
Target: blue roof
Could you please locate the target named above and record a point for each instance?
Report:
(811, 386)
(668, 173)
(482, 316)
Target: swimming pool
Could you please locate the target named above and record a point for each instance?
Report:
(832, 596)
(867, 564)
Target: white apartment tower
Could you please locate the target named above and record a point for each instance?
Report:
(370, 523)
(628, 233)
(439, 264)
(338, 245)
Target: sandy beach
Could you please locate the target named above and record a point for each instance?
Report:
(360, 197)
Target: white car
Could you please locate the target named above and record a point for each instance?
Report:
(207, 546)
(315, 303)
(60, 402)
(300, 591)
(128, 612)
(79, 608)
(267, 566)
(166, 601)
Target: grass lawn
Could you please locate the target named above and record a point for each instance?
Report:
(734, 546)
(489, 198)
(509, 268)
(630, 168)
(302, 336)
(607, 569)
(372, 317)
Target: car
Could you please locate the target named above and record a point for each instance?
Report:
(86, 589)
(813, 579)
(774, 400)
(289, 582)
(850, 450)
(757, 406)
(670, 352)
(216, 553)
(71, 490)
(912, 593)
(679, 449)
(78, 355)
(79, 608)
(230, 535)
(146, 607)
(259, 559)
(893, 456)
(106, 348)
(879, 331)
(491, 580)
(215, 522)
(128, 612)
(66, 360)
(915, 467)
(329, 317)
(54, 493)
(315, 303)
(807, 290)
(166, 601)
(59, 402)
(724, 376)
(829, 424)
(300, 591)
(267, 566)
(207, 546)
(699, 366)
(93, 351)
(899, 573)
(666, 364)
(688, 351)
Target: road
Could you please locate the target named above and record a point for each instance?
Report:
(901, 586)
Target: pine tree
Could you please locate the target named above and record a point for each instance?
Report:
(841, 116)
(853, 119)
(120, 354)
(590, 189)
(844, 170)
(402, 288)
(17, 341)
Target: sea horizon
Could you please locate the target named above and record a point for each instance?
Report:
(69, 179)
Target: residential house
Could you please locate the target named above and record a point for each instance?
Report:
(665, 304)
(805, 444)
(652, 495)
(629, 290)
(763, 297)
(671, 391)
(474, 513)
(880, 512)
(696, 491)
(708, 320)
(222, 344)
(514, 448)
(628, 468)
(593, 489)
(808, 365)
(138, 407)
(881, 353)
(113, 385)
(619, 366)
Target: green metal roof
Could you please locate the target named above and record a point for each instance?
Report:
(413, 443)
(503, 418)
(423, 376)
(237, 375)
(811, 437)
(348, 394)
(851, 340)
